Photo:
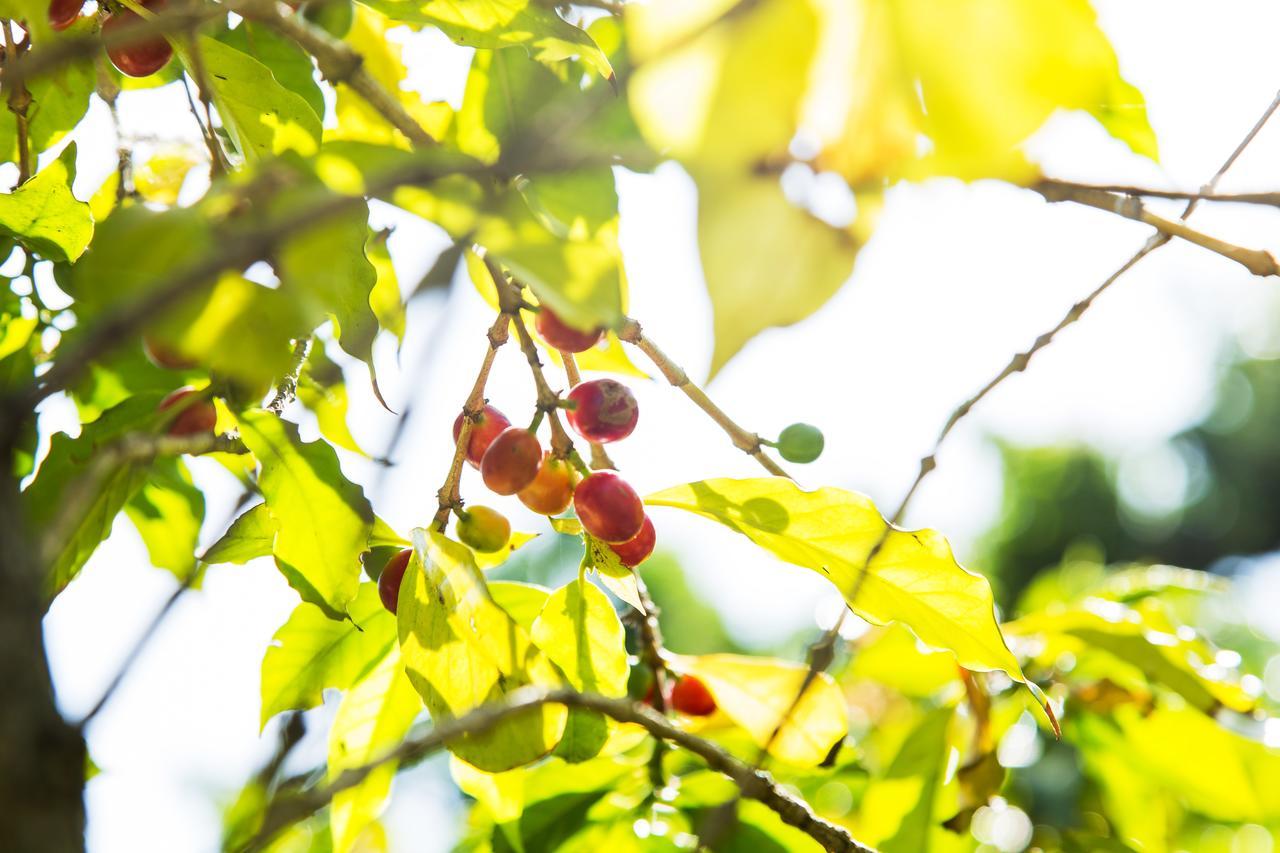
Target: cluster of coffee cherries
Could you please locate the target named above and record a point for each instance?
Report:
(193, 411)
(686, 694)
(138, 58)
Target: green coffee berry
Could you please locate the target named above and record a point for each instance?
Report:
(800, 443)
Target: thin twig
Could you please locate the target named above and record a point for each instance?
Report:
(1256, 261)
(287, 386)
(754, 784)
(747, 442)
(1270, 199)
(19, 100)
(449, 496)
(599, 457)
(652, 653)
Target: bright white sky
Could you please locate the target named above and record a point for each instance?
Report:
(956, 280)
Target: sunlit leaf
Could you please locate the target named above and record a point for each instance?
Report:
(311, 652)
(323, 520)
(58, 101)
(373, 718)
(896, 815)
(160, 178)
(168, 511)
(289, 63)
(44, 216)
(322, 389)
(756, 693)
(914, 578)
(385, 298)
(461, 650)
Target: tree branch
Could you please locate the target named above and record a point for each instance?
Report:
(19, 100)
(754, 784)
(1270, 199)
(747, 442)
(448, 495)
(1256, 261)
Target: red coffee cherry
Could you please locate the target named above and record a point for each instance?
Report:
(489, 425)
(392, 575)
(551, 491)
(603, 410)
(197, 417)
(484, 529)
(141, 58)
(162, 355)
(690, 696)
(608, 507)
(511, 462)
(564, 337)
(64, 13)
(637, 549)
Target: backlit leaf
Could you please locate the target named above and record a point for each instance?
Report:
(168, 511)
(250, 536)
(43, 215)
(896, 815)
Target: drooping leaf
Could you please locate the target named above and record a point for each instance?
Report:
(492, 24)
(263, 117)
(168, 511)
(897, 809)
(617, 578)
(914, 579)
(250, 536)
(291, 66)
(311, 652)
(44, 216)
(322, 389)
(461, 650)
(756, 693)
(372, 719)
(385, 298)
(323, 520)
(82, 508)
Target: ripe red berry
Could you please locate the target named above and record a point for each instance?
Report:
(637, 549)
(603, 410)
(391, 577)
(64, 13)
(141, 58)
(484, 529)
(486, 428)
(690, 696)
(197, 416)
(511, 462)
(564, 337)
(551, 491)
(608, 507)
(162, 355)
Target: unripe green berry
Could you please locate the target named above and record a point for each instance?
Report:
(484, 529)
(640, 681)
(800, 443)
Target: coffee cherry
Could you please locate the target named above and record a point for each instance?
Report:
(551, 491)
(392, 575)
(800, 443)
(564, 337)
(609, 509)
(198, 416)
(162, 355)
(141, 58)
(64, 13)
(603, 410)
(690, 696)
(640, 682)
(637, 549)
(511, 462)
(484, 529)
(490, 423)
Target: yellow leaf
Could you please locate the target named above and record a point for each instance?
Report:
(756, 693)
(160, 178)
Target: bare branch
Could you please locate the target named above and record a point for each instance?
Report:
(754, 784)
(1271, 199)
(19, 100)
(747, 442)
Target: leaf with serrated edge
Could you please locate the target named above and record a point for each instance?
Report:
(43, 215)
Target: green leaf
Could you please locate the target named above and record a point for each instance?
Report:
(579, 630)
(385, 298)
(522, 601)
(263, 117)
(617, 578)
(60, 483)
(492, 24)
(323, 519)
(44, 216)
(756, 693)
(168, 511)
(250, 536)
(914, 579)
(59, 100)
(322, 389)
(311, 652)
(372, 719)
(897, 813)
(289, 64)
(461, 650)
